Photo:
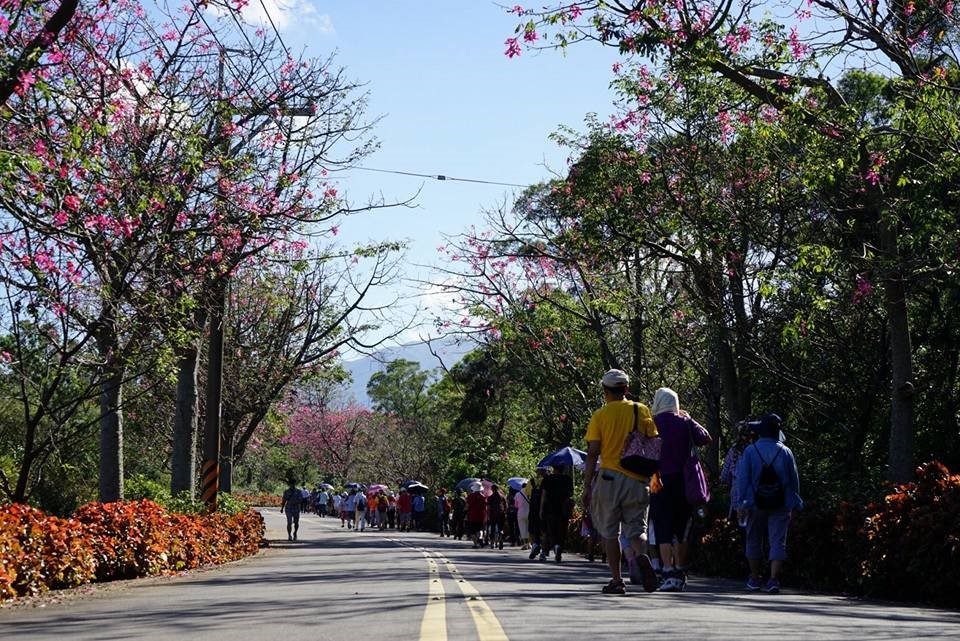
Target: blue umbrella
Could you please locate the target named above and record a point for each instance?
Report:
(517, 482)
(414, 486)
(353, 486)
(564, 456)
(465, 484)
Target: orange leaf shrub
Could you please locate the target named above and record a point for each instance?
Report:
(115, 541)
(914, 539)
(39, 552)
(904, 547)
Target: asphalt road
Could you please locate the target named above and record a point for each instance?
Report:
(338, 585)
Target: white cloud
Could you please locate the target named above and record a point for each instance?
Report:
(287, 13)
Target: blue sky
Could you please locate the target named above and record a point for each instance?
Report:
(452, 104)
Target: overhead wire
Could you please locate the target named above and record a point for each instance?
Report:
(442, 177)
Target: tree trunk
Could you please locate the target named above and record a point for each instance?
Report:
(226, 458)
(111, 431)
(901, 364)
(210, 480)
(727, 370)
(183, 456)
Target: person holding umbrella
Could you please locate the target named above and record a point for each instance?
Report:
(556, 508)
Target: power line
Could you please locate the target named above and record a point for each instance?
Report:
(440, 177)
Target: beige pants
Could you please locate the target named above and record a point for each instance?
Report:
(619, 500)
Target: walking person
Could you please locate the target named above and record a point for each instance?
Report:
(443, 512)
(534, 522)
(382, 505)
(768, 488)
(496, 516)
(338, 508)
(323, 499)
(476, 514)
(670, 513)
(290, 505)
(360, 507)
(619, 499)
(373, 512)
(521, 503)
(405, 509)
(728, 471)
(419, 509)
(392, 511)
(556, 508)
(459, 510)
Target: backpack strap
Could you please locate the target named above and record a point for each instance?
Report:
(636, 417)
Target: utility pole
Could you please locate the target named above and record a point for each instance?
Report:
(210, 470)
(213, 437)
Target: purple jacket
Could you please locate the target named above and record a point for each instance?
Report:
(677, 432)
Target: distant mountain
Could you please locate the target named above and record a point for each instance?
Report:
(362, 369)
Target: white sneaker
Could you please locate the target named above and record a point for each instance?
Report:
(671, 584)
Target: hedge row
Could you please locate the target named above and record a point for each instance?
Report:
(905, 547)
(108, 541)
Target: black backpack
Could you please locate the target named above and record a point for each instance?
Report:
(769, 493)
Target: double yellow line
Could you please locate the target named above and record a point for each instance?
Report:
(433, 627)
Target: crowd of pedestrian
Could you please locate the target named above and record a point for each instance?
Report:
(642, 486)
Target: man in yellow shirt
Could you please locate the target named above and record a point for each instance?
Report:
(616, 497)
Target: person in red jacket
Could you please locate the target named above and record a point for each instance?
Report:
(405, 509)
(476, 514)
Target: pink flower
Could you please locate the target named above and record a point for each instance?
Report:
(517, 9)
(6, 357)
(25, 80)
(530, 36)
(574, 12)
(513, 48)
(863, 288)
(71, 202)
(61, 218)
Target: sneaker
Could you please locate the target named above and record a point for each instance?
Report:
(615, 587)
(534, 551)
(772, 587)
(671, 584)
(543, 556)
(289, 537)
(556, 553)
(641, 572)
(753, 585)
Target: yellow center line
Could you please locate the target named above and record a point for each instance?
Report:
(488, 626)
(433, 627)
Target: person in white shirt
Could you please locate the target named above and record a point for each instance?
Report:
(522, 502)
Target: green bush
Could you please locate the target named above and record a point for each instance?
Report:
(139, 487)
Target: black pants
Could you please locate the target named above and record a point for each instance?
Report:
(554, 530)
(457, 527)
(391, 518)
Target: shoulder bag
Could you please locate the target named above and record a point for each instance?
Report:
(641, 453)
